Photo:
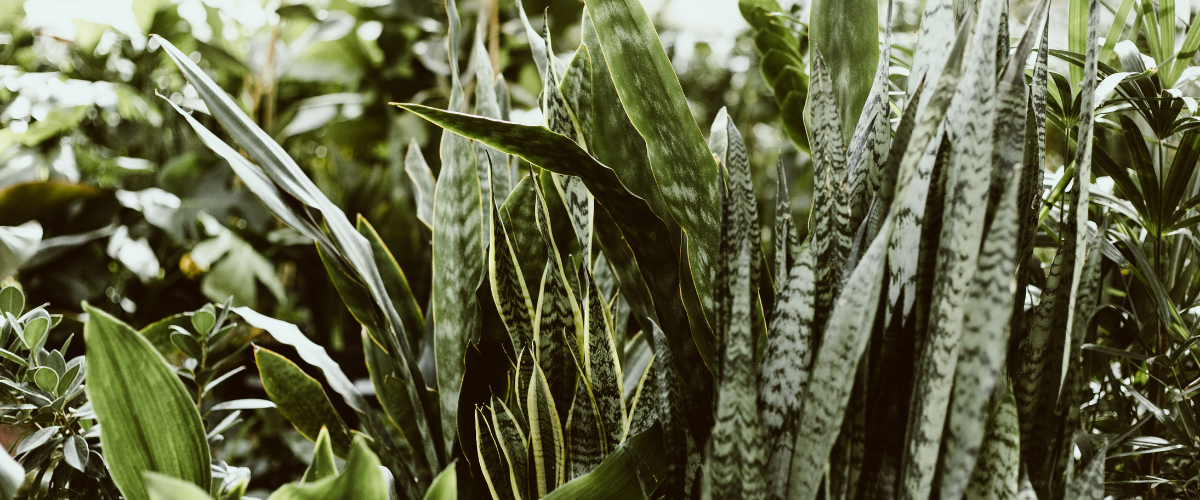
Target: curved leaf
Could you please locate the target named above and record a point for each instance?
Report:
(300, 399)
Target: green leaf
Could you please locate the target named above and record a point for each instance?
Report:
(509, 290)
(184, 342)
(457, 255)
(584, 433)
(422, 180)
(12, 476)
(395, 282)
(654, 101)
(323, 464)
(300, 399)
(545, 435)
(148, 421)
(34, 335)
(162, 487)
(491, 462)
(872, 135)
(1090, 483)
(204, 319)
(643, 407)
(833, 370)
(511, 439)
(1114, 31)
(846, 34)
(558, 321)
(737, 455)
(601, 366)
(46, 379)
(12, 301)
(633, 470)
(988, 308)
(831, 233)
(967, 182)
(670, 415)
(996, 474)
(362, 479)
(786, 367)
(445, 485)
(75, 453)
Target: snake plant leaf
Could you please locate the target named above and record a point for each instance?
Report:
(517, 214)
(301, 399)
(614, 139)
(457, 254)
(831, 233)
(670, 406)
(833, 370)
(1083, 161)
(601, 366)
(322, 465)
(148, 421)
(937, 35)
(633, 470)
(537, 44)
(872, 135)
(511, 439)
(576, 89)
(646, 235)
(445, 485)
(987, 309)
(654, 101)
(1090, 483)
(739, 217)
(967, 183)
(162, 487)
(585, 434)
(635, 295)
(422, 180)
(487, 104)
(545, 435)
(846, 34)
(558, 322)
(508, 286)
(996, 475)
(493, 465)
(362, 479)
(395, 282)
(785, 229)
(786, 366)
(1035, 163)
(643, 407)
(737, 455)
(1012, 95)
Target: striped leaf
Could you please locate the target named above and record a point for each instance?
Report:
(508, 287)
(654, 101)
(643, 408)
(457, 254)
(558, 321)
(525, 239)
(984, 341)
(511, 440)
(785, 229)
(585, 440)
(996, 475)
(633, 470)
(576, 89)
(300, 399)
(493, 465)
(545, 435)
(670, 407)
(967, 183)
(737, 456)
(739, 214)
(601, 366)
(422, 180)
(1035, 163)
(832, 379)
(831, 232)
(786, 367)
(937, 36)
(1090, 483)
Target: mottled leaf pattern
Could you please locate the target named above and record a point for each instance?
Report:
(585, 442)
(601, 366)
(491, 462)
(509, 289)
(996, 475)
(872, 136)
(670, 405)
(1090, 483)
(643, 408)
(545, 435)
(511, 440)
(422, 179)
(831, 193)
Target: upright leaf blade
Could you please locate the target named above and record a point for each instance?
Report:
(148, 421)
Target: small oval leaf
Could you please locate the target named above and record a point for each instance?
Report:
(75, 452)
(35, 332)
(11, 301)
(46, 378)
(186, 343)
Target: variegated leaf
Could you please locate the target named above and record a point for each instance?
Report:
(785, 369)
(967, 181)
(831, 232)
(558, 325)
(670, 407)
(487, 104)
(984, 342)
(1090, 483)
(785, 229)
(493, 465)
(872, 136)
(996, 475)
(576, 89)
(600, 364)
(585, 441)
(545, 435)
(833, 370)
(739, 214)
(511, 439)
(457, 255)
(508, 285)
(737, 455)
(643, 408)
